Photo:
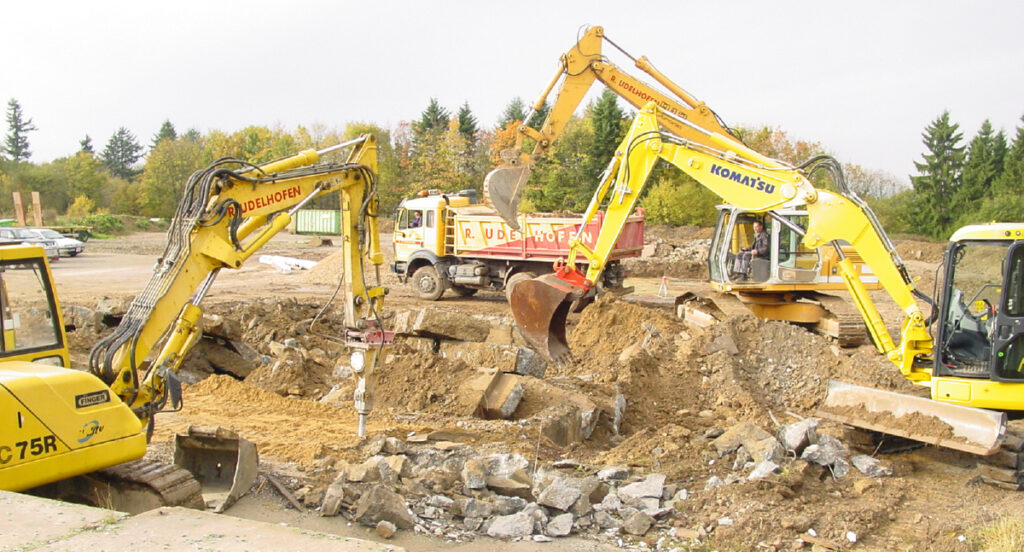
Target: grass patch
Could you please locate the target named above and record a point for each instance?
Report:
(1003, 535)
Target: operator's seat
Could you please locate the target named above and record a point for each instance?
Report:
(760, 269)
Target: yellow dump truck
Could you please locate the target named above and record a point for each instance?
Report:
(453, 242)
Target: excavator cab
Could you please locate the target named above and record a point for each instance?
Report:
(788, 261)
(980, 329)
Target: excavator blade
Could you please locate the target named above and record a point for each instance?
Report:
(539, 307)
(919, 418)
(224, 464)
(505, 186)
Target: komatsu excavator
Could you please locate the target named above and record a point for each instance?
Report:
(57, 422)
(973, 365)
(789, 284)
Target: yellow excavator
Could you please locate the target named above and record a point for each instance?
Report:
(973, 365)
(788, 283)
(57, 422)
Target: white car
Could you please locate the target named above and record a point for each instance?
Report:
(13, 235)
(68, 247)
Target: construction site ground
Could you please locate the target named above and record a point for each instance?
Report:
(680, 387)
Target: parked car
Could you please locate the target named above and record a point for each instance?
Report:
(11, 235)
(68, 247)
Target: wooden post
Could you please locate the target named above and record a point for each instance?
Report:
(19, 209)
(37, 209)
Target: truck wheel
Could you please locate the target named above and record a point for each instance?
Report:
(463, 291)
(427, 284)
(515, 279)
(83, 235)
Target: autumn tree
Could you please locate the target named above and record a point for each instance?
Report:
(121, 153)
(168, 168)
(16, 146)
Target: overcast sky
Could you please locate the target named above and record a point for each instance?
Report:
(864, 78)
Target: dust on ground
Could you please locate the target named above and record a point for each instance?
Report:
(681, 385)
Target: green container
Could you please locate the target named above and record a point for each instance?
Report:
(318, 221)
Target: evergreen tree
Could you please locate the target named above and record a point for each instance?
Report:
(939, 177)
(433, 119)
(537, 120)
(515, 111)
(192, 134)
(16, 143)
(166, 132)
(86, 145)
(983, 165)
(467, 123)
(121, 154)
(1010, 181)
(607, 120)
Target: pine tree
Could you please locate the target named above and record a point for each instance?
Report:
(433, 119)
(983, 165)
(607, 120)
(514, 111)
(537, 119)
(16, 144)
(121, 154)
(86, 145)
(467, 122)
(939, 177)
(1011, 180)
(166, 132)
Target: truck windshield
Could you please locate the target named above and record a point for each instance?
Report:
(28, 320)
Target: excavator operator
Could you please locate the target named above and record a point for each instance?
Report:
(741, 266)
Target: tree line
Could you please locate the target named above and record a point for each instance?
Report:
(452, 151)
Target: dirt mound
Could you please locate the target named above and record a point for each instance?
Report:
(919, 250)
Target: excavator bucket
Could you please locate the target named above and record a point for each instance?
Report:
(224, 464)
(504, 186)
(539, 307)
(919, 418)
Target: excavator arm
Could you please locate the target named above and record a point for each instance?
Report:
(229, 211)
(578, 69)
(741, 177)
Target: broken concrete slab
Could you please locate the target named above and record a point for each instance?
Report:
(441, 324)
(509, 487)
(559, 495)
(378, 503)
(870, 466)
(559, 526)
(744, 433)
(517, 525)
(651, 487)
(796, 436)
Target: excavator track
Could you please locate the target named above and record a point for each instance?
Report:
(1005, 469)
(843, 322)
(132, 487)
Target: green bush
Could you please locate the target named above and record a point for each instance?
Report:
(102, 223)
(683, 203)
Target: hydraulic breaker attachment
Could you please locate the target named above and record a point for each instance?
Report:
(504, 186)
(922, 419)
(539, 307)
(223, 463)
